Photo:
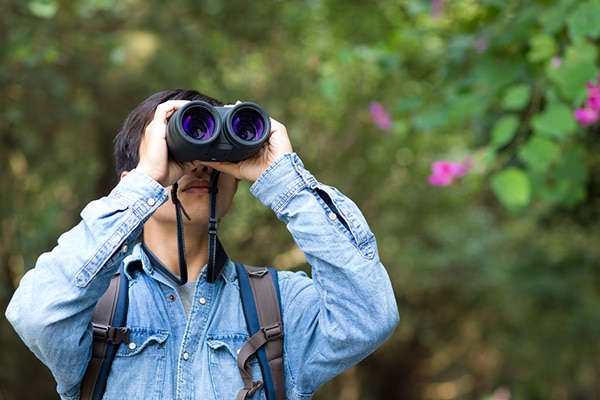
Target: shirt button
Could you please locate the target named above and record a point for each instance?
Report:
(124, 248)
(299, 169)
(172, 297)
(151, 201)
(202, 300)
(332, 216)
(186, 356)
(132, 346)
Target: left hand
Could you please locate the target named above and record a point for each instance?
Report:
(250, 169)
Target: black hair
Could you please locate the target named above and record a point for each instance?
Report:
(127, 141)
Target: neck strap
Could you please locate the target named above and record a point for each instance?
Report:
(213, 266)
(216, 254)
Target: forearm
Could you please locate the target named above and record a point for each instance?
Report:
(52, 307)
(352, 301)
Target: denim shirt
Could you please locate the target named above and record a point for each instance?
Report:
(331, 321)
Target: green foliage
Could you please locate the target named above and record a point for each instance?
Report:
(512, 187)
(543, 87)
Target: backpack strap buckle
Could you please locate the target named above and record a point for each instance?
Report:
(273, 332)
(111, 334)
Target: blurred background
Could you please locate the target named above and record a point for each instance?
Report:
(465, 130)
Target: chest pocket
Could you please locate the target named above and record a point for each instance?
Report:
(141, 366)
(225, 376)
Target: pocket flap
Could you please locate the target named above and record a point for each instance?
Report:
(230, 343)
(141, 338)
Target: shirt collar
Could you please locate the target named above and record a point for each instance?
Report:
(143, 258)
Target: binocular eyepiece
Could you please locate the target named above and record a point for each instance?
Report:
(199, 131)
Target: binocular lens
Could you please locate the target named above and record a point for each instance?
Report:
(198, 123)
(200, 131)
(248, 125)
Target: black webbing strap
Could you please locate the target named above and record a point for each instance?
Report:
(179, 211)
(214, 267)
(269, 335)
(105, 334)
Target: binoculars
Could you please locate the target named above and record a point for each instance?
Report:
(200, 131)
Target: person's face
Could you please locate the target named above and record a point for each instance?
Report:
(193, 192)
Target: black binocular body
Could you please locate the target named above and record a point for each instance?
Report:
(200, 131)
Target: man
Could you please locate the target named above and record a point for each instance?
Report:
(185, 338)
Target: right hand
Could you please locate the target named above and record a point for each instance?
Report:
(154, 153)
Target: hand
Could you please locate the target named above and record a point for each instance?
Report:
(250, 169)
(154, 154)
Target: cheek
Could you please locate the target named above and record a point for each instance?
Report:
(226, 197)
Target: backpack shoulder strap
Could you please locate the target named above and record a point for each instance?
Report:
(259, 290)
(109, 316)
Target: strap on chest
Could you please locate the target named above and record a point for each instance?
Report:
(260, 300)
(109, 317)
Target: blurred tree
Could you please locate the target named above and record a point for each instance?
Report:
(496, 275)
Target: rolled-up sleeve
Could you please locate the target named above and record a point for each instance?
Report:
(51, 310)
(349, 309)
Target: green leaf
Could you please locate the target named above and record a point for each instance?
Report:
(552, 20)
(504, 131)
(555, 121)
(539, 153)
(578, 67)
(572, 166)
(512, 188)
(542, 48)
(430, 120)
(465, 107)
(45, 9)
(516, 97)
(565, 183)
(493, 74)
(584, 21)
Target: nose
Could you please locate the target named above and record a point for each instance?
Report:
(203, 169)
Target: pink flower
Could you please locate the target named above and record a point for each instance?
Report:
(444, 172)
(593, 100)
(556, 62)
(380, 117)
(437, 7)
(590, 114)
(480, 45)
(586, 116)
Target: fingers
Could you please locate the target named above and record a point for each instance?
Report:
(250, 169)
(154, 160)
(163, 112)
(279, 142)
(154, 152)
(166, 109)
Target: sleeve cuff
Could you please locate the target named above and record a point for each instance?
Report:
(281, 181)
(140, 192)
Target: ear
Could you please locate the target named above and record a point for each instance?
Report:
(123, 174)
